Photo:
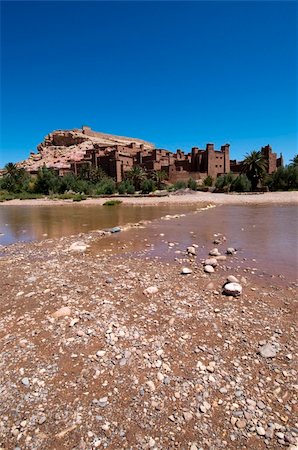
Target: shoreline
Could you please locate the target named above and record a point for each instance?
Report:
(290, 197)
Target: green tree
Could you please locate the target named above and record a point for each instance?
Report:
(15, 179)
(136, 175)
(254, 167)
(159, 176)
(294, 161)
(284, 179)
(47, 181)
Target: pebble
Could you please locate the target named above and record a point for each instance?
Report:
(232, 279)
(186, 271)
(65, 311)
(151, 290)
(211, 262)
(268, 350)
(261, 431)
(25, 381)
(191, 251)
(208, 269)
(233, 289)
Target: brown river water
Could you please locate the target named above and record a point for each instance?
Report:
(264, 235)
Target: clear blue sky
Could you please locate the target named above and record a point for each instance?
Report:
(178, 74)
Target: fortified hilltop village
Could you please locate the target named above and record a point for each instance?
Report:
(69, 150)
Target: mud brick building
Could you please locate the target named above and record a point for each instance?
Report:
(71, 150)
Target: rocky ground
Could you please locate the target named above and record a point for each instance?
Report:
(118, 349)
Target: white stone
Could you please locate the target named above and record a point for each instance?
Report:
(268, 350)
(232, 279)
(150, 290)
(214, 252)
(208, 269)
(191, 251)
(62, 312)
(78, 247)
(211, 262)
(186, 271)
(234, 289)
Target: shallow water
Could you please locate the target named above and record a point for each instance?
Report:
(31, 223)
(264, 235)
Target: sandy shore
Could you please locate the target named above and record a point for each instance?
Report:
(189, 198)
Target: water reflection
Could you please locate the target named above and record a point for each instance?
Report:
(267, 234)
(28, 223)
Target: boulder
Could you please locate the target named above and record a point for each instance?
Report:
(231, 251)
(234, 289)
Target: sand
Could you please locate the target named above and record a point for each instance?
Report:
(189, 198)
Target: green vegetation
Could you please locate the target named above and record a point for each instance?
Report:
(208, 181)
(192, 184)
(112, 203)
(284, 179)
(136, 176)
(147, 186)
(254, 167)
(230, 183)
(17, 183)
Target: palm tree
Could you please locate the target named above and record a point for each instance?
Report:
(159, 176)
(11, 169)
(136, 175)
(294, 161)
(254, 166)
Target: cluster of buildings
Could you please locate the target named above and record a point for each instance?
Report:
(73, 150)
(179, 166)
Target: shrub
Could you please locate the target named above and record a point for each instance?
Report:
(79, 197)
(148, 186)
(121, 188)
(241, 184)
(112, 203)
(284, 179)
(208, 181)
(192, 184)
(224, 181)
(47, 181)
(130, 189)
(179, 185)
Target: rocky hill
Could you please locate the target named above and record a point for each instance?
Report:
(61, 147)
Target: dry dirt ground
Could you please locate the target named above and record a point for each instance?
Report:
(179, 368)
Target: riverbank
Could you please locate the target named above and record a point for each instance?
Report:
(183, 198)
(119, 367)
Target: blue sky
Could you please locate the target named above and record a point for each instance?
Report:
(178, 74)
